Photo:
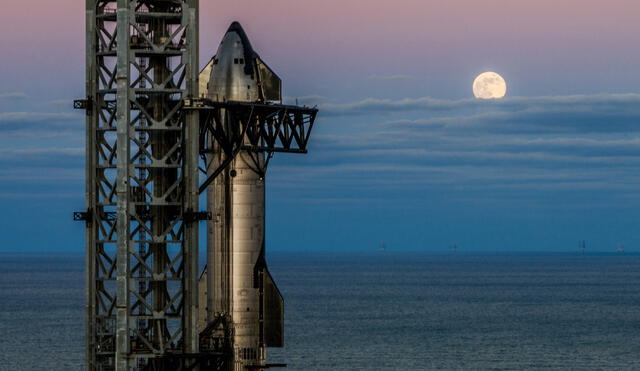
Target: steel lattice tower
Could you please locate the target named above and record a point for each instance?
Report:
(148, 135)
(141, 184)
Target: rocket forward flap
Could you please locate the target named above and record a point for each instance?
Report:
(204, 77)
(273, 313)
(270, 83)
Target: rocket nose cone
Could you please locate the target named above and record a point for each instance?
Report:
(235, 27)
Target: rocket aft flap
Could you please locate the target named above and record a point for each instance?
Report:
(236, 288)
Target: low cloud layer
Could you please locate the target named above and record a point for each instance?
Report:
(530, 149)
(569, 103)
(524, 148)
(390, 78)
(39, 122)
(13, 96)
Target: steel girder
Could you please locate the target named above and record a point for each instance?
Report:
(144, 134)
(141, 182)
(231, 127)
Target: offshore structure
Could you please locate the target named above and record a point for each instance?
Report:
(160, 133)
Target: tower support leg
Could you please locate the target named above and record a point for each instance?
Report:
(142, 179)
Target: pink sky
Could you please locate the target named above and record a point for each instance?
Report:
(560, 43)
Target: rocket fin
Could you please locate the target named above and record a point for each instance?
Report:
(202, 301)
(272, 304)
(270, 83)
(205, 76)
(273, 313)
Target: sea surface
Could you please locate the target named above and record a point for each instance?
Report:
(381, 311)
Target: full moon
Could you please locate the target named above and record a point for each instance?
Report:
(489, 85)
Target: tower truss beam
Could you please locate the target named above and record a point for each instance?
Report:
(142, 184)
(146, 133)
(254, 127)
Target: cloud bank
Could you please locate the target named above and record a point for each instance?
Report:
(390, 78)
(580, 147)
(13, 96)
(39, 122)
(517, 148)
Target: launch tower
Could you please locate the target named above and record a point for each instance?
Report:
(148, 135)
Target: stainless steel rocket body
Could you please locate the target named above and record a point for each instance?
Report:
(238, 285)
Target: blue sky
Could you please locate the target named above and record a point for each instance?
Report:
(400, 153)
(527, 173)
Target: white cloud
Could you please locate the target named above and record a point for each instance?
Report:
(68, 103)
(571, 103)
(532, 146)
(20, 121)
(390, 78)
(308, 100)
(13, 96)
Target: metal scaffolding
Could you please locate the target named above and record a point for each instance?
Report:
(253, 127)
(147, 136)
(142, 184)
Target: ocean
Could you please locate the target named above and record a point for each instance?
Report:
(381, 311)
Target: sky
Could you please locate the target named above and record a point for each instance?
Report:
(401, 152)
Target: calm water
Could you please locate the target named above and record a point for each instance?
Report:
(382, 311)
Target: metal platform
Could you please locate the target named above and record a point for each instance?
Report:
(253, 127)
